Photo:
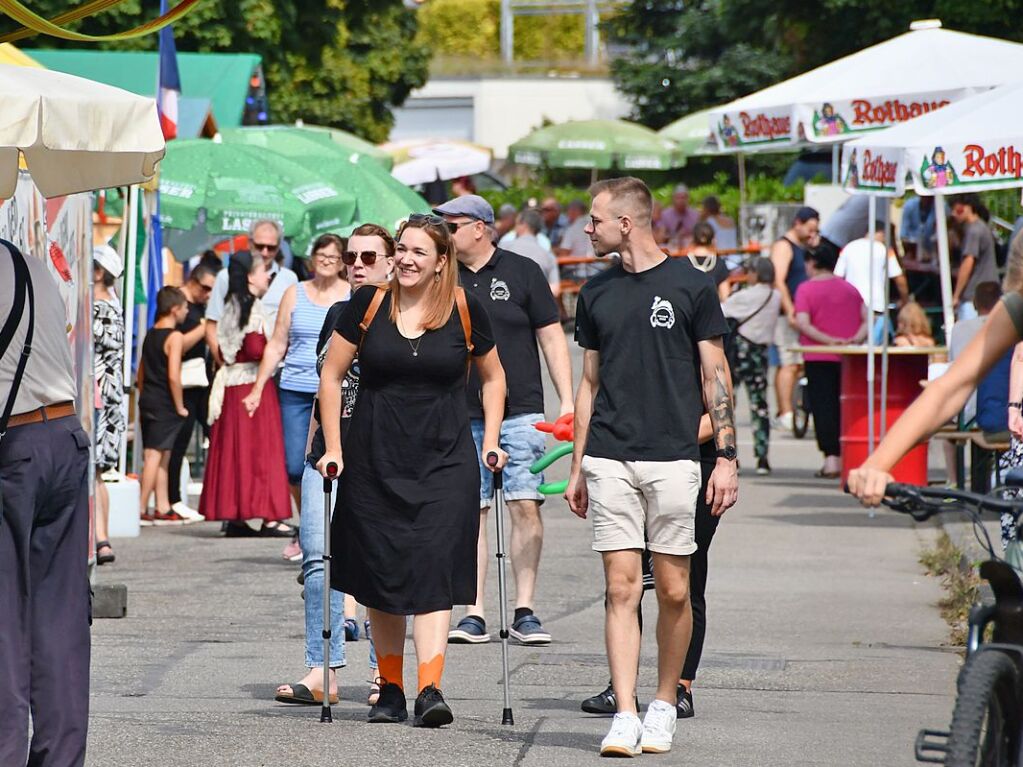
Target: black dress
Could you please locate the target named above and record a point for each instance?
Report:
(405, 525)
(160, 419)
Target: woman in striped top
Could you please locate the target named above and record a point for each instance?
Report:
(299, 319)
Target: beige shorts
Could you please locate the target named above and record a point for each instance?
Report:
(785, 337)
(643, 504)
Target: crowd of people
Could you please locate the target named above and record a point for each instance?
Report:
(408, 385)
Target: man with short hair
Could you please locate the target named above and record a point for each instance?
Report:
(788, 254)
(523, 314)
(862, 263)
(636, 464)
(265, 237)
(678, 220)
(977, 254)
(554, 221)
(527, 227)
(506, 216)
(197, 289)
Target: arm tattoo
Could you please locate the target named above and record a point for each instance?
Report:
(720, 408)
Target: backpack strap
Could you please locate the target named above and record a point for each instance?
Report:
(22, 291)
(463, 315)
(371, 313)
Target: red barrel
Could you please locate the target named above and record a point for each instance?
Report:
(905, 371)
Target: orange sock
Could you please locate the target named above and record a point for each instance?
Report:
(431, 672)
(390, 669)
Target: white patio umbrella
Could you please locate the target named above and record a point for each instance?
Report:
(420, 161)
(973, 145)
(76, 135)
(888, 83)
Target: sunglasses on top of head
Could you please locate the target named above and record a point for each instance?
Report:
(429, 218)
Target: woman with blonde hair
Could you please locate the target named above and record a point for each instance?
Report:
(913, 327)
(407, 520)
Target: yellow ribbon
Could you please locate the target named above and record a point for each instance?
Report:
(33, 23)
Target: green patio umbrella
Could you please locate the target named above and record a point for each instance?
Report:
(691, 134)
(352, 143)
(208, 189)
(596, 144)
(379, 197)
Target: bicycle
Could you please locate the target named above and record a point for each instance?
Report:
(987, 722)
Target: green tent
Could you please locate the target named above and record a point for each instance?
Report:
(379, 197)
(223, 78)
(209, 189)
(596, 144)
(691, 134)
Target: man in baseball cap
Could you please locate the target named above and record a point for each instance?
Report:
(525, 320)
(468, 206)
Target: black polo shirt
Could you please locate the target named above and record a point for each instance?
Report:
(518, 301)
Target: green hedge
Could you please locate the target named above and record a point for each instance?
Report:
(471, 28)
(759, 188)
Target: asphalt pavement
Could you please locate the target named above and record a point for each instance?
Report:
(824, 647)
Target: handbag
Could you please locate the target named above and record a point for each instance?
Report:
(193, 374)
(731, 349)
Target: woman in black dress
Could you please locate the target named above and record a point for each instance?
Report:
(406, 523)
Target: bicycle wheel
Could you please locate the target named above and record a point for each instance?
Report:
(800, 411)
(985, 724)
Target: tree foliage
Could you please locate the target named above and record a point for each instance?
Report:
(685, 55)
(343, 63)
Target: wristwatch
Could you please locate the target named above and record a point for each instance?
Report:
(728, 453)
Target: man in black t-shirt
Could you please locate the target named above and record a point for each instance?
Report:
(524, 314)
(651, 327)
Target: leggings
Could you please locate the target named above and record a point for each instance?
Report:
(195, 402)
(824, 385)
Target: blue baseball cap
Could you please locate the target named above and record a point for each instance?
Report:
(470, 206)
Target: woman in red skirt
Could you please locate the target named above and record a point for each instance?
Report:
(245, 474)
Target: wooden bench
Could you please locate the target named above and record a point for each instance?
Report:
(982, 451)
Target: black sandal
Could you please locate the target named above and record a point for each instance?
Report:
(104, 559)
(277, 530)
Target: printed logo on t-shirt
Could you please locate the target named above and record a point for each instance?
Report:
(662, 313)
(499, 290)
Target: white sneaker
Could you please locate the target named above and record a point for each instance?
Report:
(783, 422)
(659, 727)
(190, 514)
(624, 737)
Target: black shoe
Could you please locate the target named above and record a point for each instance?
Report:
(239, 530)
(431, 710)
(391, 707)
(763, 467)
(603, 702)
(684, 703)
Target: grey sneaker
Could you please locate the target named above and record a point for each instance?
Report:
(528, 630)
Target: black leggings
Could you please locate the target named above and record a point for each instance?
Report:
(824, 385)
(706, 526)
(196, 405)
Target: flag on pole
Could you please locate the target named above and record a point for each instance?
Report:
(169, 81)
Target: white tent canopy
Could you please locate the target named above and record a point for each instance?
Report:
(974, 145)
(885, 84)
(970, 146)
(420, 161)
(76, 135)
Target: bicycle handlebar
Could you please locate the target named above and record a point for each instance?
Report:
(924, 502)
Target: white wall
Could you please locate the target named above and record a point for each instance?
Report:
(497, 111)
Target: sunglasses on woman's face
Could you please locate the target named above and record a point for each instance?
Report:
(369, 257)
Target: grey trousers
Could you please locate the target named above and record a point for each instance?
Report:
(44, 594)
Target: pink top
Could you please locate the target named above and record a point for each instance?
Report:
(835, 307)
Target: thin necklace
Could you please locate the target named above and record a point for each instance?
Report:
(419, 340)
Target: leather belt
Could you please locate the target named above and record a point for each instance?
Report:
(39, 415)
